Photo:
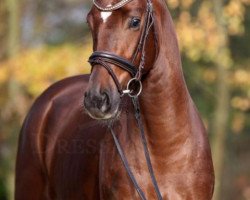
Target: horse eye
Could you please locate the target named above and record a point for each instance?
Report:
(134, 23)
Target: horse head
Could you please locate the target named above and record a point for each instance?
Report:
(119, 31)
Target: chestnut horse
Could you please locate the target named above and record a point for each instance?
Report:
(67, 152)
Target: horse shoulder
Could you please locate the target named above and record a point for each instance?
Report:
(30, 164)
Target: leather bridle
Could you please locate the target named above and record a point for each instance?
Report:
(104, 59)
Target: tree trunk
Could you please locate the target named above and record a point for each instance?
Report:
(3, 30)
(223, 63)
(13, 44)
(13, 27)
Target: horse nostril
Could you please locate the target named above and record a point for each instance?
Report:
(105, 102)
(107, 99)
(104, 97)
(86, 101)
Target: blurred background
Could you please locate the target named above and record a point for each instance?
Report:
(42, 42)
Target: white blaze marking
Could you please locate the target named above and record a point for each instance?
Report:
(105, 16)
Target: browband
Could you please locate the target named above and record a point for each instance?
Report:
(111, 7)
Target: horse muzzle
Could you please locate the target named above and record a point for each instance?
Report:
(100, 105)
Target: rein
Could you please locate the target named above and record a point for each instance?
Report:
(104, 59)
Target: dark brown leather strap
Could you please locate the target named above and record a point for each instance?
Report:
(146, 153)
(145, 146)
(126, 165)
(114, 59)
(110, 71)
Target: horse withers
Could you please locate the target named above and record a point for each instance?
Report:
(158, 148)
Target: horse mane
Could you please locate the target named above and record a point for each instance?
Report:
(168, 50)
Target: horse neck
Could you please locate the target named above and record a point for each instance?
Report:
(166, 104)
(165, 101)
(168, 112)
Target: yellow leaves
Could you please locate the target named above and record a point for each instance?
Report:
(186, 35)
(3, 74)
(209, 75)
(198, 38)
(238, 123)
(38, 68)
(240, 103)
(234, 15)
(201, 37)
(186, 4)
(242, 77)
(234, 8)
(225, 59)
(173, 3)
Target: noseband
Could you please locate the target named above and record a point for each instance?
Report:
(104, 59)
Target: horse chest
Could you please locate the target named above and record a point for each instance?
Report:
(113, 178)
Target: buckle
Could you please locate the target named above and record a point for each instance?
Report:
(134, 88)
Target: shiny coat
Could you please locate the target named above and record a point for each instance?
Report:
(64, 154)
